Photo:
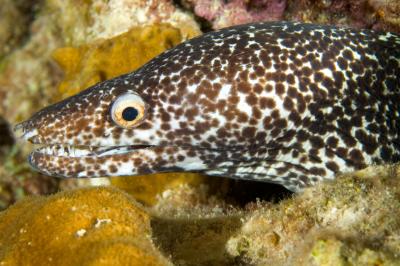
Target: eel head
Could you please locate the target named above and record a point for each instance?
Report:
(114, 129)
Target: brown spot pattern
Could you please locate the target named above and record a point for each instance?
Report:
(281, 102)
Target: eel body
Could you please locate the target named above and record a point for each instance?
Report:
(279, 102)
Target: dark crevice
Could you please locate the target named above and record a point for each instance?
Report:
(195, 241)
(205, 26)
(243, 192)
(6, 137)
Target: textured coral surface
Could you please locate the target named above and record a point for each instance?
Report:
(147, 189)
(83, 227)
(89, 64)
(354, 219)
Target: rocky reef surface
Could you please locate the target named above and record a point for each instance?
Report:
(354, 220)
(377, 14)
(50, 49)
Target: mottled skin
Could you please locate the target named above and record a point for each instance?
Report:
(281, 102)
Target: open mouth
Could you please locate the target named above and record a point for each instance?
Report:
(69, 160)
(60, 150)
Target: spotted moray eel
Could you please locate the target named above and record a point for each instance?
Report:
(280, 102)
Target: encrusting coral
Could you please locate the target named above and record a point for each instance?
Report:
(95, 226)
(89, 64)
(356, 218)
(147, 189)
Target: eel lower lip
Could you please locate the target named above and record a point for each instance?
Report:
(61, 150)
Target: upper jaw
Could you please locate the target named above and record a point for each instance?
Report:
(68, 150)
(60, 150)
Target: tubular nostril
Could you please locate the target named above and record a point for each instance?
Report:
(19, 130)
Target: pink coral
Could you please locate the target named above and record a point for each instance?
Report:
(234, 12)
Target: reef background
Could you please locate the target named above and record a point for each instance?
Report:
(51, 49)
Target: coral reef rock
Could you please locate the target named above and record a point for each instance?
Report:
(388, 14)
(15, 18)
(192, 225)
(355, 219)
(223, 14)
(96, 226)
(104, 19)
(371, 14)
(27, 75)
(17, 180)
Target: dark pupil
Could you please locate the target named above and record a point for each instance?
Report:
(129, 114)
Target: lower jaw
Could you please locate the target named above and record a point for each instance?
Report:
(84, 166)
(126, 161)
(104, 161)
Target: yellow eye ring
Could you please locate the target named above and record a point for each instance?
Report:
(128, 110)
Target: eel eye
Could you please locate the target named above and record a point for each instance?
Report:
(128, 110)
